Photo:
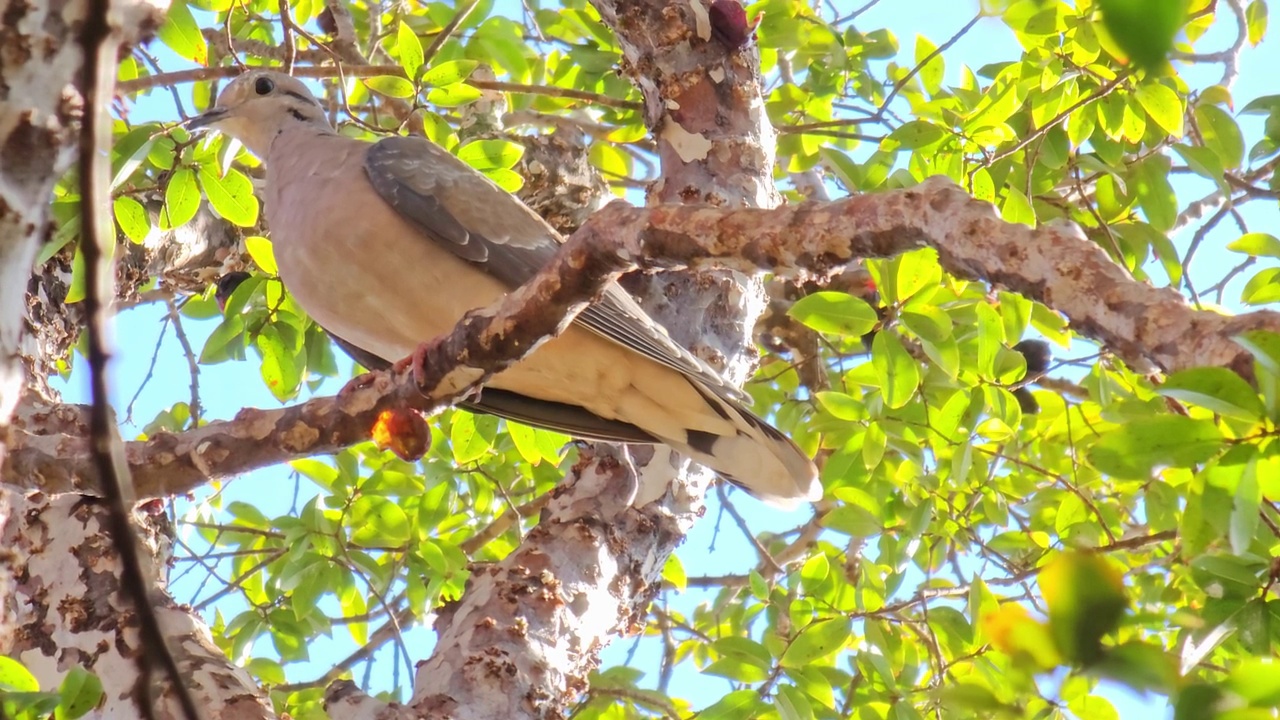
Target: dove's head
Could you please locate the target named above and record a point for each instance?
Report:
(260, 104)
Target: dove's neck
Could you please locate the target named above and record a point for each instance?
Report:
(287, 133)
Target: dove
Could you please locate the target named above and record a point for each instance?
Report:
(388, 244)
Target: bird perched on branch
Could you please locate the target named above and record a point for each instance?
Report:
(388, 244)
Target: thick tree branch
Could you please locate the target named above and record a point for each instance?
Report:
(1146, 327)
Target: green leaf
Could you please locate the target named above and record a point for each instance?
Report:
(491, 154)
(225, 342)
(1256, 20)
(610, 159)
(1245, 508)
(500, 42)
(280, 371)
(391, 86)
(1203, 162)
(792, 704)
(744, 649)
(525, 441)
(453, 95)
(1144, 29)
(267, 670)
(1262, 288)
(1257, 680)
(931, 72)
(913, 135)
(1163, 106)
(14, 676)
(914, 272)
(410, 49)
(1155, 194)
(1257, 244)
(181, 33)
(133, 219)
(263, 253)
(673, 572)
(990, 338)
(1016, 208)
(836, 313)
(737, 705)
(449, 73)
(1086, 599)
(854, 521)
(1142, 444)
(897, 371)
(1221, 134)
(816, 641)
(844, 167)
(1217, 389)
(1264, 346)
(128, 152)
(378, 522)
(79, 693)
(181, 199)
(231, 196)
(468, 444)
(508, 180)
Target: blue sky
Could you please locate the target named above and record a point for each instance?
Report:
(229, 386)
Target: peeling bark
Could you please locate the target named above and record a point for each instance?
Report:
(69, 610)
(524, 637)
(40, 60)
(704, 105)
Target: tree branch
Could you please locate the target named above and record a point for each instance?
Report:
(1147, 327)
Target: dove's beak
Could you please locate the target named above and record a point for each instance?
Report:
(207, 120)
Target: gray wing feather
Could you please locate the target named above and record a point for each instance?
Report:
(462, 210)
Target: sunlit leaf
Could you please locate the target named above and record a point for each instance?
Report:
(410, 49)
(836, 313)
(1136, 448)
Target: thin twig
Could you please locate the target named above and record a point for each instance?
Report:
(130, 87)
(766, 560)
(151, 369)
(898, 86)
(106, 449)
(447, 32)
(193, 366)
(286, 22)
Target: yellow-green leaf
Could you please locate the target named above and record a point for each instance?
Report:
(897, 371)
(262, 252)
(181, 199)
(377, 521)
(132, 218)
(835, 312)
(453, 95)
(816, 641)
(1163, 106)
(410, 49)
(231, 196)
(491, 154)
(390, 85)
(448, 73)
(78, 693)
(181, 33)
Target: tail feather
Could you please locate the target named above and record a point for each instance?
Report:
(757, 457)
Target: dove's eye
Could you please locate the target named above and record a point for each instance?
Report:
(264, 86)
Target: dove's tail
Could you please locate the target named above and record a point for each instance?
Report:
(722, 434)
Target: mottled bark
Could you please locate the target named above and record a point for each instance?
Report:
(704, 105)
(40, 59)
(522, 640)
(68, 610)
